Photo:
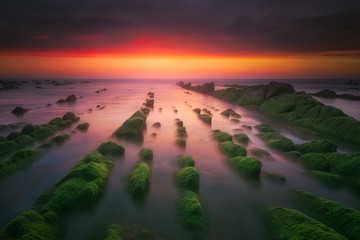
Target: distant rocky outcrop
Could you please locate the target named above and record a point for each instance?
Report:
(327, 93)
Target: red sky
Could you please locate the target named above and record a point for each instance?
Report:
(186, 39)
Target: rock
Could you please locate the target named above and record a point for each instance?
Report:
(61, 101)
(71, 99)
(19, 111)
(275, 88)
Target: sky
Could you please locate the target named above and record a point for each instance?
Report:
(165, 39)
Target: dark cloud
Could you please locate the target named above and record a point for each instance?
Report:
(228, 26)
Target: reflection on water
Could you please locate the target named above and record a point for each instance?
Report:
(233, 205)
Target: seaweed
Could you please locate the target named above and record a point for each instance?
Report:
(242, 138)
(247, 166)
(315, 161)
(181, 142)
(83, 126)
(188, 178)
(18, 161)
(191, 213)
(229, 112)
(318, 146)
(291, 224)
(205, 118)
(146, 154)
(222, 136)
(231, 149)
(186, 161)
(341, 218)
(111, 149)
(139, 180)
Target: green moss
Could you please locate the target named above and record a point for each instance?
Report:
(144, 234)
(156, 124)
(278, 142)
(179, 123)
(7, 147)
(146, 154)
(315, 161)
(60, 139)
(222, 136)
(259, 152)
(207, 111)
(80, 187)
(191, 213)
(328, 179)
(83, 126)
(197, 110)
(242, 138)
(145, 111)
(19, 111)
(188, 178)
(231, 149)
(291, 224)
(28, 225)
(43, 132)
(264, 128)
(229, 112)
(275, 177)
(19, 160)
(318, 146)
(181, 132)
(24, 140)
(111, 149)
(205, 118)
(132, 128)
(115, 232)
(149, 103)
(293, 154)
(139, 180)
(11, 136)
(2, 139)
(344, 164)
(343, 219)
(46, 145)
(247, 127)
(186, 161)
(69, 116)
(246, 166)
(181, 142)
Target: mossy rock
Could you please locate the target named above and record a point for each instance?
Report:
(197, 110)
(29, 225)
(231, 149)
(18, 161)
(179, 123)
(156, 125)
(293, 154)
(186, 161)
(24, 140)
(290, 224)
(60, 139)
(69, 116)
(275, 177)
(278, 142)
(205, 118)
(181, 132)
(329, 179)
(246, 166)
(181, 143)
(149, 103)
(139, 114)
(71, 99)
(144, 234)
(43, 132)
(264, 128)
(188, 178)
(111, 149)
(115, 232)
(191, 213)
(229, 112)
(341, 218)
(7, 147)
(139, 180)
(132, 129)
(242, 138)
(11, 136)
(318, 146)
(344, 164)
(207, 111)
(247, 127)
(222, 136)
(19, 111)
(80, 187)
(83, 126)
(259, 152)
(315, 161)
(28, 129)
(146, 154)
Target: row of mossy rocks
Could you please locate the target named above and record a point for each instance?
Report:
(281, 100)
(329, 219)
(31, 133)
(320, 157)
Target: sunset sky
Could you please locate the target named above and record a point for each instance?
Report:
(180, 39)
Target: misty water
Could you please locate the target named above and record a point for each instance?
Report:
(234, 206)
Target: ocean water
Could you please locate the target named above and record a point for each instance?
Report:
(232, 204)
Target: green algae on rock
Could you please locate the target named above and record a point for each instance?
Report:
(259, 152)
(132, 128)
(156, 125)
(246, 166)
(341, 218)
(315, 161)
(205, 118)
(231, 149)
(188, 178)
(181, 132)
(111, 149)
(146, 154)
(229, 112)
(191, 213)
(181, 142)
(139, 180)
(115, 232)
(291, 224)
(19, 111)
(242, 138)
(318, 146)
(186, 161)
(83, 126)
(18, 161)
(197, 110)
(60, 139)
(329, 179)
